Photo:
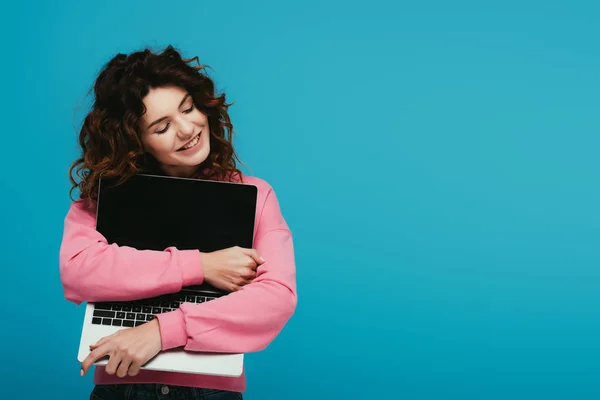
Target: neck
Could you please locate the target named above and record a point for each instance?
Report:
(179, 171)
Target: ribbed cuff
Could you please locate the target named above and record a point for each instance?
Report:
(191, 267)
(172, 329)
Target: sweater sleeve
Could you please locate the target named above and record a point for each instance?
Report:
(249, 319)
(93, 270)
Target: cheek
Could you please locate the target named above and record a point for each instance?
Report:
(156, 145)
(200, 116)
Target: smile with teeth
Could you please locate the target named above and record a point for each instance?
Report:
(191, 144)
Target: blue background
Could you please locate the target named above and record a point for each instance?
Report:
(437, 163)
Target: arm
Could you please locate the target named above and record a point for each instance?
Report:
(92, 270)
(249, 319)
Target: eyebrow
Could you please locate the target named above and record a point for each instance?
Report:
(163, 118)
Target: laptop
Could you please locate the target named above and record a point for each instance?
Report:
(150, 212)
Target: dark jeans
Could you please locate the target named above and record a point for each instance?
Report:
(159, 392)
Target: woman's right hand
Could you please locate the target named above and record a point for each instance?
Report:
(231, 268)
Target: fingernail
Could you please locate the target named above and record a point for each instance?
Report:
(81, 372)
(261, 259)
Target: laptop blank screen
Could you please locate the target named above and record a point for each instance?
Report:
(155, 212)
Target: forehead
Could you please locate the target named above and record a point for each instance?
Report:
(163, 100)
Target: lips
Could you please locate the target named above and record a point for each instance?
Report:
(191, 143)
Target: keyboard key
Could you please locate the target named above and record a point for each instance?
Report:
(165, 304)
(191, 299)
(128, 323)
(103, 313)
(137, 309)
(175, 304)
(96, 321)
(201, 299)
(130, 315)
(141, 317)
(138, 323)
(167, 310)
(156, 310)
(150, 317)
(103, 306)
(117, 322)
(117, 307)
(147, 310)
(106, 321)
(127, 307)
(121, 315)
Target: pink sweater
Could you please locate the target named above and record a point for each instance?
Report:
(245, 321)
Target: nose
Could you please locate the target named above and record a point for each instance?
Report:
(186, 129)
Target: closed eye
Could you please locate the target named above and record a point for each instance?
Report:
(189, 110)
(164, 130)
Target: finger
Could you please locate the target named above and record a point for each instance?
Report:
(134, 369)
(123, 367)
(250, 275)
(113, 363)
(94, 356)
(254, 255)
(100, 342)
(245, 282)
(246, 278)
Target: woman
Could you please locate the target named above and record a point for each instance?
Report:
(155, 113)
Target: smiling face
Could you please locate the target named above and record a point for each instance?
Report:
(174, 131)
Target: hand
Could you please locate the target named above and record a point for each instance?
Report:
(231, 268)
(128, 349)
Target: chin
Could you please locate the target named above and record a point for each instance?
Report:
(196, 159)
(175, 160)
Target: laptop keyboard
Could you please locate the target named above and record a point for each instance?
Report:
(134, 313)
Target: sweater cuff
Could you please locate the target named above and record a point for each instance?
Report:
(191, 267)
(172, 329)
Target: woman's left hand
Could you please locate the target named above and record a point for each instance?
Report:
(128, 349)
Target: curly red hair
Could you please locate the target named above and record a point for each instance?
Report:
(110, 134)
